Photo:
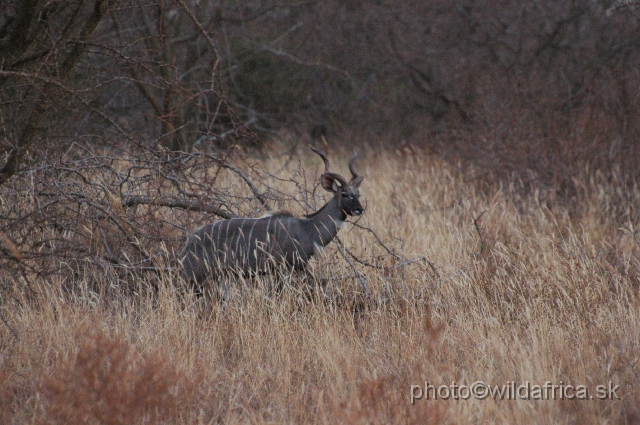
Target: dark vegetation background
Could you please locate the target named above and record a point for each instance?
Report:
(107, 107)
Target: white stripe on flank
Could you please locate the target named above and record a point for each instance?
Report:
(268, 224)
(251, 240)
(213, 229)
(226, 235)
(238, 240)
(218, 238)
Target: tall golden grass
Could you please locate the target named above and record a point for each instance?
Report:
(536, 289)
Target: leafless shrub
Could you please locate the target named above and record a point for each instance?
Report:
(109, 383)
(129, 212)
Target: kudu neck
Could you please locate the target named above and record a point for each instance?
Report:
(326, 222)
(329, 210)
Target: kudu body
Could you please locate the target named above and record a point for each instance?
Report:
(258, 245)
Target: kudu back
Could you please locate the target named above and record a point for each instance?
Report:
(259, 245)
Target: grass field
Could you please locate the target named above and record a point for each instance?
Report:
(538, 289)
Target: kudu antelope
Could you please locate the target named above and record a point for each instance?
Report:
(256, 245)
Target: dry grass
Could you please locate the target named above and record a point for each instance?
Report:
(550, 293)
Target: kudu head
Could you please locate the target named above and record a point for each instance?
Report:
(347, 194)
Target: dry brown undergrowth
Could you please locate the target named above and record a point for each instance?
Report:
(549, 292)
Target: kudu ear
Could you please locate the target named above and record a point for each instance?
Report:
(355, 182)
(329, 183)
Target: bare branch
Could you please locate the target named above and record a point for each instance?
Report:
(129, 201)
(316, 64)
(244, 177)
(13, 331)
(10, 246)
(204, 33)
(361, 278)
(382, 244)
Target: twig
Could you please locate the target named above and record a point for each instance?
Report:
(201, 29)
(390, 251)
(316, 64)
(11, 246)
(456, 274)
(397, 265)
(475, 224)
(415, 260)
(143, 268)
(72, 92)
(244, 177)
(363, 282)
(363, 262)
(622, 4)
(332, 278)
(132, 200)
(13, 332)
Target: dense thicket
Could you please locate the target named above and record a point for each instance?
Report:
(536, 87)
